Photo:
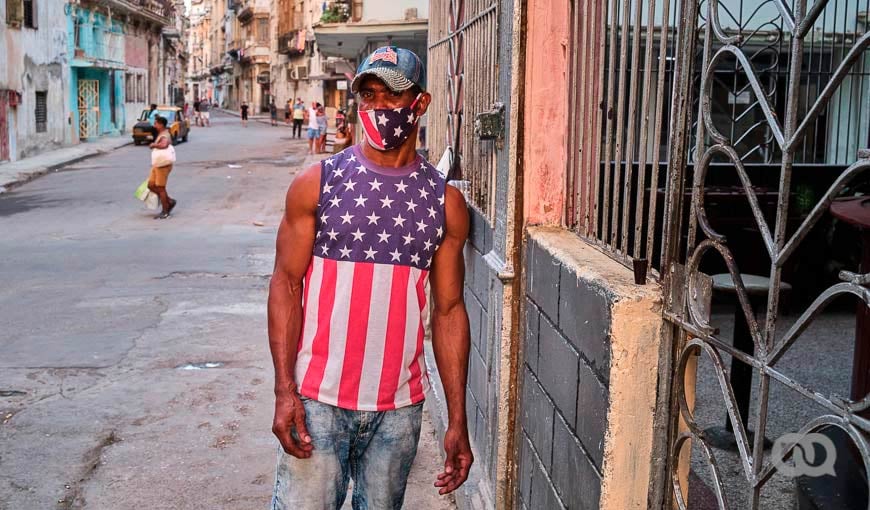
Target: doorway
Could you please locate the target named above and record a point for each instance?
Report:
(89, 108)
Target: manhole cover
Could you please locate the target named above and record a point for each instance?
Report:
(12, 393)
(200, 366)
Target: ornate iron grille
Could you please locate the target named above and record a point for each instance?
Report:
(789, 82)
(463, 49)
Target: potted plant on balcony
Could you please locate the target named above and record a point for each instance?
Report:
(336, 12)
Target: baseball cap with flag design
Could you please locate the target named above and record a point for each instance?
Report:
(399, 68)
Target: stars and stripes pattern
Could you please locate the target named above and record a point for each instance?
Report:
(386, 128)
(361, 346)
(385, 54)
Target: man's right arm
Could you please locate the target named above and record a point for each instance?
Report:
(293, 251)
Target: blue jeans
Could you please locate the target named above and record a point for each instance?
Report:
(375, 449)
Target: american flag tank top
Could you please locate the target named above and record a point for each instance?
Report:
(378, 228)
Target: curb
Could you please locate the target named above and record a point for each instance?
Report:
(30, 175)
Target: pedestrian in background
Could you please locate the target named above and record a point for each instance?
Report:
(322, 123)
(204, 108)
(343, 139)
(245, 114)
(313, 128)
(273, 113)
(287, 110)
(351, 115)
(160, 174)
(298, 117)
(196, 117)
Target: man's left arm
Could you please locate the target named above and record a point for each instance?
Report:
(450, 339)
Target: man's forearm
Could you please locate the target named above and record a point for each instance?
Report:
(285, 323)
(450, 342)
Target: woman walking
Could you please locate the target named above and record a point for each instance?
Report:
(313, 129)
(160, 169)
(321, 127)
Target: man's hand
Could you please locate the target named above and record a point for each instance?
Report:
(290, 414)
(459, 460)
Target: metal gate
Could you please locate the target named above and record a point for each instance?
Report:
(465, 43)
(791, 104)
(89, 108)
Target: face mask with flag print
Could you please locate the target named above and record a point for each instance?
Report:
(388, 128)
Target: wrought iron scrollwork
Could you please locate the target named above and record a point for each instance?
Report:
(788, 132)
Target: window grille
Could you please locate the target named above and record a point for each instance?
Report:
(41, 111)
(465, 45)
(621, 65)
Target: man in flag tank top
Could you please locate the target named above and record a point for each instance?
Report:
(363, 234)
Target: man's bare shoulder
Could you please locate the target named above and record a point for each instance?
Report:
(304, 191)
(456, 213)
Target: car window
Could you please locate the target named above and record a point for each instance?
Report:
(169, 115)
(144, 115)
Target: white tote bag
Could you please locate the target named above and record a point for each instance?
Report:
(163, 157)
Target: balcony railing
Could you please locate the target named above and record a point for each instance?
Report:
(288, 44)
(159, 7)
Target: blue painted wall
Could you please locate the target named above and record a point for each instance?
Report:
(95, 34)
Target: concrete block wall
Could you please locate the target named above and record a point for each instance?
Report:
(483, 300)
(589, 377)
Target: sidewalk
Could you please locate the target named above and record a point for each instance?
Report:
(19, 172)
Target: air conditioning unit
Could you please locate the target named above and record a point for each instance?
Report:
(299, 73)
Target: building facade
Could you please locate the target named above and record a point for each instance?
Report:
(124, 57)
(75, 71)
(34, 79)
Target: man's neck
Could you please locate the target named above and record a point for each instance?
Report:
(404, 155)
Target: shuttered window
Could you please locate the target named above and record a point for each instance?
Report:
(263, 30)
(30, 13)
(41, 111)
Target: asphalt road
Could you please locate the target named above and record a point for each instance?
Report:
(105, 314)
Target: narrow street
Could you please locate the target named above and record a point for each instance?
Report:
(135, 370)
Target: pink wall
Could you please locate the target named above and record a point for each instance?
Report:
(546, 111)
(136, 50)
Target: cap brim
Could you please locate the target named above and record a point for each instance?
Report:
(394, 80)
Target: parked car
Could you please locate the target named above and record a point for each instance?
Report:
(176, 122)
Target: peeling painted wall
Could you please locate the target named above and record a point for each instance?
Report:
(136, 49)
(546, 110)
(36, 60)
(591, 368)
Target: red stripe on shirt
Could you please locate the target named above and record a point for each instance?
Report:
(357, 329)
(416, 383)
(395, 340)
(320, 343)
(305, 293)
